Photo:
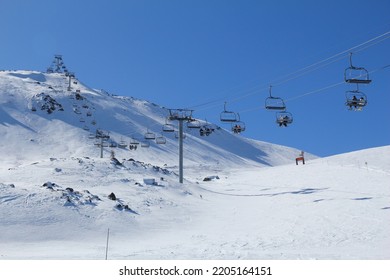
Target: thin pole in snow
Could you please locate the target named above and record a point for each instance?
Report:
(108, 236)
(181, 151)
(101, 147)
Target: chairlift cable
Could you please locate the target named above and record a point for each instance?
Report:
(303, 71)
(314, 91)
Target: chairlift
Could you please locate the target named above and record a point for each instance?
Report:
(82, 120)
(33, 108)
(168, 127)
(134, 142)
(193, 123)
(284, 118)
(238, 126)
(356, 75)
(274, 103)
(92, 136)
(113, 145)
(227, 116)
(161, 140)
(145, 144)
(86, 128)
(205, 130)
(355, 100)
(133, 147)
(149, 136)
(89, 114)
(122, 144)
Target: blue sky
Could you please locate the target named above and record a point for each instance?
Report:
(183, 53)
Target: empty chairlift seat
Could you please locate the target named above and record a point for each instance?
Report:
(274, 103)
(227, 116)
(356, 75)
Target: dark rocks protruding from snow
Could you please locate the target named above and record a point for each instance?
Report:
(210, 178)
(115, 162)
(50, 185)
(148, 165)
(112, 196)
(123, 207)
(78, 96)
(73, 197)
(47, 103)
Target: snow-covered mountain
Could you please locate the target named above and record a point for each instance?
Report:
(41, 118)
(58, 198)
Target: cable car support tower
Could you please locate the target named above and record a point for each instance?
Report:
(180, 115)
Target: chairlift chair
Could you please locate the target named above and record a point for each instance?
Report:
(356, 75)
(193, 124)
(145, 144)
(113, 145)
(238, 126)
(134, 142)
(355, 100)
(227, 116)
(205, 130)
(168, 127)
(161, 140)
(149, 136)
(284, 118)
(274, 103)
(122, 144)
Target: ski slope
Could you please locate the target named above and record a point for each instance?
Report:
(54, 187)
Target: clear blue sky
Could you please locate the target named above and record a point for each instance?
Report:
(181, 53)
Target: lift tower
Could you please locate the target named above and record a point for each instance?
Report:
(180, 115)
(57, 66)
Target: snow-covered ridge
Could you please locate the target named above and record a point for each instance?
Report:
(38, 108)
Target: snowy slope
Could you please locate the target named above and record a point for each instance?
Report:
(62, 130)
(330, 208)
(54, 188)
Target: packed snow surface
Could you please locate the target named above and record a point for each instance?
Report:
(58, 198)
